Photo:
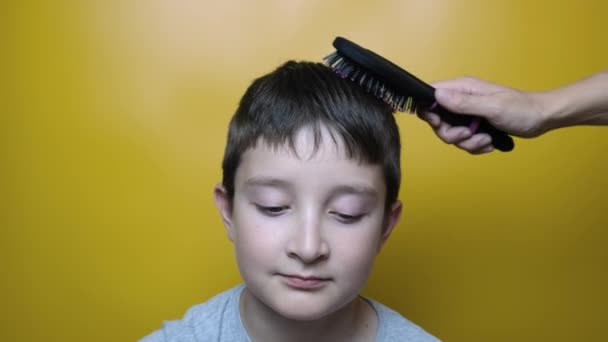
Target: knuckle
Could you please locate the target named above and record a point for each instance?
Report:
(443, 136)
(451, 139)
(465, 145)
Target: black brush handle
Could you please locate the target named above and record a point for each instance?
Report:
(409, 85)
(500, 140)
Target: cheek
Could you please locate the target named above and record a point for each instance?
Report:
(357, 252)
(256, 243)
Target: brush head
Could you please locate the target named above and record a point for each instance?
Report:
(380, 77)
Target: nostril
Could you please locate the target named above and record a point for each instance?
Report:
(308, 243)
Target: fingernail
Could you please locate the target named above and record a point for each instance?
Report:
(431, 118)
(464, 134)
(434, 119)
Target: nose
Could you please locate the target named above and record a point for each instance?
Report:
(308, 243)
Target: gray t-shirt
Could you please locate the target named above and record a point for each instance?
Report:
(219, 320)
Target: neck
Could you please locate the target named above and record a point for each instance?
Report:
(356, 321)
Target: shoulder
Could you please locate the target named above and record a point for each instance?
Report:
(392, 326)
(205, 321)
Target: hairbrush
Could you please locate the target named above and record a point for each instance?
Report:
(402, 90)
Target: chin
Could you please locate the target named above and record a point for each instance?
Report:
(305, 307)
(303, 313)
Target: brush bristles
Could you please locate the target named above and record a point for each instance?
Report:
(346, 69)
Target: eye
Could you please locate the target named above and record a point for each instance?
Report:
(344, 218)
(272, 210)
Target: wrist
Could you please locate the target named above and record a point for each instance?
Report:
(582, 102)
(553, 109)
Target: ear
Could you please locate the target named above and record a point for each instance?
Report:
(392, 218)
(220, 196)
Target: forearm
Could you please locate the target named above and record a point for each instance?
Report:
(581, 103)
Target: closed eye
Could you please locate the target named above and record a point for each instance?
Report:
(271, 211)
(344, 218)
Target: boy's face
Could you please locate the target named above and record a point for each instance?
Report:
(306, 227)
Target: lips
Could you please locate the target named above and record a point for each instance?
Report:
(304, 282)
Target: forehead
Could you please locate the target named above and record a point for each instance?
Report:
(306, 164)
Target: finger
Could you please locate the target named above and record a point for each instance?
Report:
(475, 143)
(483, 150)
(432, 118)
(452, 135)
(464, 103)
(469, 85)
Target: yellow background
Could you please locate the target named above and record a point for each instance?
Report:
(113, 120)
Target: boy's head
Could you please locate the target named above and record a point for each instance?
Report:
(309, 95)
(311, 176)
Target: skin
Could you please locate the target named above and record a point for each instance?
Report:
(306, 213)
(520, 113)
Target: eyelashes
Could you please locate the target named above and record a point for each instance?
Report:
(348, 219)
(271, 211)
(275, 211)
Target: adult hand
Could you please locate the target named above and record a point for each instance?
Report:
(517, 112)
(513, 111)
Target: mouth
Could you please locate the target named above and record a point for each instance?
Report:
(302, 282)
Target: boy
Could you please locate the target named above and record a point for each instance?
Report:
(311, 174)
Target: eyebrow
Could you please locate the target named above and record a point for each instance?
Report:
(354, 189)
(267, 181)
(361, 190)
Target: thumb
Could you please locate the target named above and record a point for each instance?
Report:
(463, 103)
